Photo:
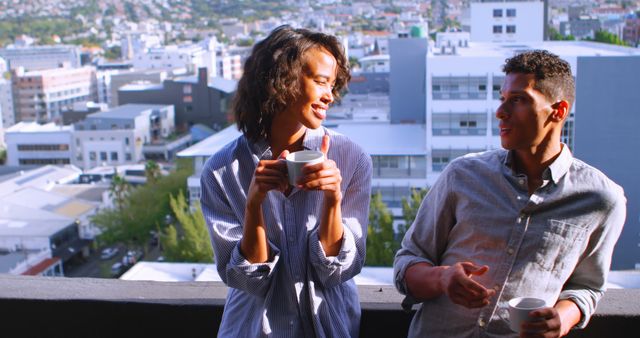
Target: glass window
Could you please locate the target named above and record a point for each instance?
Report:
(92, 155)
(497, 29)
(103, 156)
(497, 13)
(114, 156)
(511, 29)
(511, 12)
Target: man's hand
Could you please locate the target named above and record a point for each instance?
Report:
(552, 321)
(323, 176)
(457, 283)
(546, 324)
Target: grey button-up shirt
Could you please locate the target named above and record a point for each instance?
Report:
(554, 244)
(299, 292)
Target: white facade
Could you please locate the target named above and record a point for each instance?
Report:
(190, 57)
(29, 143)
(41, 57)
(507, 21)
(6, 103)
(375, 63)
(108, 147)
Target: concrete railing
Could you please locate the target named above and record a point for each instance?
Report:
(88, 307)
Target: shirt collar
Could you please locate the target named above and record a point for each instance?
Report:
(312, 140)
(554, 172)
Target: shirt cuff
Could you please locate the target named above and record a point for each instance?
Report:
(403, 264)
(241, 265)
(576, 297)
(344, 256)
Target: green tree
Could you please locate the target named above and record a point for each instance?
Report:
(610, 38)
(118, 190)
(152, 171)
(381, 244)
(193, 244)
(142, 210)
(410, 208)
(3, 155)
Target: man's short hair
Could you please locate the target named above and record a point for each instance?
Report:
(271, 74)
(552, 74)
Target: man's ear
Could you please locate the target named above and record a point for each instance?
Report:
(560, 111)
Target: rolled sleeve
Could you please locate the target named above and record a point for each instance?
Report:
(225, 231)
(333, 270)
(428, 234)
(251, 277)
(587, 284)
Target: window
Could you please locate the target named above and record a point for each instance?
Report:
(92, 155)
(126, 140)
(187, 99)
(497, 13)
(497, 29)
(103, 156)
(127, 156)
(511, 12)
(114, 156)
(511, 29)
(186, 89)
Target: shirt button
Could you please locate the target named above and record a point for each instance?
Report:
(481, 322)
(521, 181)
(510, 251)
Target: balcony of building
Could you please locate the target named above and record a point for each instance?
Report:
(87, 307)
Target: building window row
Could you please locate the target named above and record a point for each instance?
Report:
(444, 124)
(499, 12)
(399, 166)
(510, 29)
(43, 147)
(43, 161)
(441, 157)
(459, 87)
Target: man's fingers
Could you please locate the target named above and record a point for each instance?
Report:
(324, 148)
(474, 270)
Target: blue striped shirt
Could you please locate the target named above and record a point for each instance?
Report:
(299, 292)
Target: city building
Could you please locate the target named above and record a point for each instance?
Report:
(508, 20)
(189, 57)
(42, 95)
(40, 229)
(120, 135)
(30, 143)
(41, 57)
(631, 33)
(110, 80)
(606, 137)
(197, 99)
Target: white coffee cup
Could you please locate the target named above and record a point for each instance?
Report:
(519, 309)
(298, 159)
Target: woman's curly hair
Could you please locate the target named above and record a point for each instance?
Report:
(271, 77)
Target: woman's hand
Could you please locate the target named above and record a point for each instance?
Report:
(269, 175)
(324, 176)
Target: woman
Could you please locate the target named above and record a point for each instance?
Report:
(289, 253)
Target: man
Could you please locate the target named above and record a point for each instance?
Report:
(526, 220)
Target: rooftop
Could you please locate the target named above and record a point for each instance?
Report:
(385, 139)
(561, 48)
(34, 127)
(126, 111)
(213, 143)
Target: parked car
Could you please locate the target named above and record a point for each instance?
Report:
(132, 257)
(108, 253)
(116, 269)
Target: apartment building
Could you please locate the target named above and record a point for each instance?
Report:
(30, 143)
(508, 20)
(42, 95)
(41, 57)
(118, 136)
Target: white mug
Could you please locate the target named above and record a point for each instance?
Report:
(518, 311)
(298, 159)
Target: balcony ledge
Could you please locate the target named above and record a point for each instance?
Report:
(58, 306)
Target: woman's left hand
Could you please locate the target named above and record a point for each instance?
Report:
(323, 176)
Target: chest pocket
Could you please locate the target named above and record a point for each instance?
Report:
(560, 244)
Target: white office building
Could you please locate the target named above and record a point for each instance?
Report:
(189, 57)
(41, 57)
(30, 143)
(117, 136)
(507, 20)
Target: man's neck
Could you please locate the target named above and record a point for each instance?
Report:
(534, 162)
